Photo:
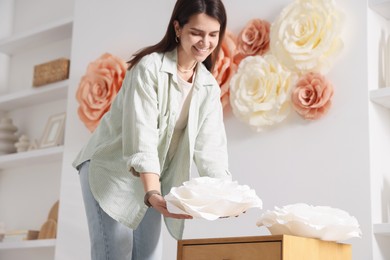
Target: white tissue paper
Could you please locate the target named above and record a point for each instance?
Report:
(320, 222)
(211, 198)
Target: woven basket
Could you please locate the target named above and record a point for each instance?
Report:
(51, 71)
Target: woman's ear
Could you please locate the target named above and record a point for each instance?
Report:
(176, 26)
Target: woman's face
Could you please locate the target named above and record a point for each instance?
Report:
(198, 38)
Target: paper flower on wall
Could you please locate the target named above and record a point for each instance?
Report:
(253, 39)
(98, 88)
(225, 67)
(312, 96)
(260, 91)
(305, 36)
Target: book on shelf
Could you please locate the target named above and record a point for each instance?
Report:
(20, 235)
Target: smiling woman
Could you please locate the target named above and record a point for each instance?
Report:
(167, 113)
(198, 39)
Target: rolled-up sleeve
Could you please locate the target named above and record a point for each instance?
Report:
(140, 116)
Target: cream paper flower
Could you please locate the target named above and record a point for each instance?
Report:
(211, 198)
(306, 35)
(260, 91)
(320, 222)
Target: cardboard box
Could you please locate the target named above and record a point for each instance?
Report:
(51, 71)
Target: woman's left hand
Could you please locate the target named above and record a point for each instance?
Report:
(159, 203)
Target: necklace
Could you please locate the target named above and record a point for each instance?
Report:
(183, 70)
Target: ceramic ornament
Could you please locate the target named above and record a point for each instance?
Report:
(8, 136)
(2, 231)
(23, 144)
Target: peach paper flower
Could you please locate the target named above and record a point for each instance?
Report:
(253, 39)
(306, 35)
(225, 67)
(260, 91)
(98, 88)
(311, 97)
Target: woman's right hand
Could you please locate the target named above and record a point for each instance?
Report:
(158, 203)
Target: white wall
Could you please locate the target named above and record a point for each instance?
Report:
(321, 163)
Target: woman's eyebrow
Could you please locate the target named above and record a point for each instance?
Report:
(199, 30)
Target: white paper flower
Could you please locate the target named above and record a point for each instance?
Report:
(320, 222)
(211, 198)
(260, 91)
(306, 35)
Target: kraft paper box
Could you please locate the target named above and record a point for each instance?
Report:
(51, 72)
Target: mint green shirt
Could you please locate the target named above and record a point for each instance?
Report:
(134, 137)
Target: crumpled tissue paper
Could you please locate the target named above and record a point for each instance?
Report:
(211, 198)
(322, 222)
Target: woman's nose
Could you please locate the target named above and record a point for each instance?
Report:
(204, 41)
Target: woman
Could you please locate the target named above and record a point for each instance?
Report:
(167, 113)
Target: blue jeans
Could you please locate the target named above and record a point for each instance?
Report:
(111, 240)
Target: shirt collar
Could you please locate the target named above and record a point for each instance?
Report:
(169, 62)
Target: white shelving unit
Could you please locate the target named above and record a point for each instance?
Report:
(34, 96)
(381, 96)
(382, 229)
(31, 157)
(382, 7)
(52, 32)
(42, 243)
(379, 25)
(29, 98)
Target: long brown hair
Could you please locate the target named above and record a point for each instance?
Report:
(182, 12)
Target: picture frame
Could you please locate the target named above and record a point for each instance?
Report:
(54, 131)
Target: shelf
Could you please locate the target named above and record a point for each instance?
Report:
(55, 31)
(34, 96)
(38, 156)
(28, 244)
(382, 7)
(382, 229)
(381, 96)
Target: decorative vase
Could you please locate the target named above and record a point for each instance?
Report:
(23, 144)
(8, 138)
